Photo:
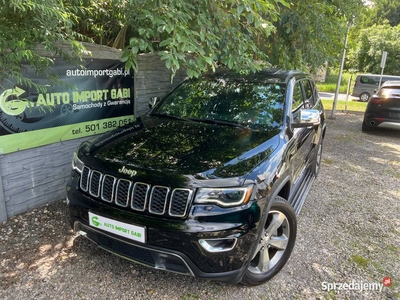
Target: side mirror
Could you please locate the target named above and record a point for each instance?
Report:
(153, 101)
(307, 118)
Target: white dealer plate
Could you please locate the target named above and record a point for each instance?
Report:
(132, 232)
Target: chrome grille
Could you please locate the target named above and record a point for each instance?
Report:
(138, 196)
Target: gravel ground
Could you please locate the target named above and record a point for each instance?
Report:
(349, 233)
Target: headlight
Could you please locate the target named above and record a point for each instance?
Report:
(224, 196)
(77, 164)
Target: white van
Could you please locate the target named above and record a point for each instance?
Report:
(366, 85)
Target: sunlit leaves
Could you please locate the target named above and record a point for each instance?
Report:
(25, 26)
(384, 10)
(373, 41)
(310, 33)
(197, 35)
(300, 34)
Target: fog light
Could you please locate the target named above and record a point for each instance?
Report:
(218, 245)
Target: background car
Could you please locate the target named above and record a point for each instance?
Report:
(365, 85)
(383, 108)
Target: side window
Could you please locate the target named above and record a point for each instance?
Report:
(298, 100)
(297, 97)
(369, 80)
(310, 94)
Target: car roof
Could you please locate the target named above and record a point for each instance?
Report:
(378, 75)
(391, 83)
(275, 75)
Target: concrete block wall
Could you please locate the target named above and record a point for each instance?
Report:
(34, 177)
(153, 79)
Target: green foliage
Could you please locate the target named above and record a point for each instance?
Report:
(199, 34)
(30, 27)
(296, 35)
(367, 41)
(373, 41)
(310, 33)
(100, 20)
(384, 10)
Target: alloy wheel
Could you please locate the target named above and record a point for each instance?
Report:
(273, 243)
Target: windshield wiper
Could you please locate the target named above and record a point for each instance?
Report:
(170, 117)
(211, 121)
(214, 121)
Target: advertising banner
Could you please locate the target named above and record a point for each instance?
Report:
(84, 101)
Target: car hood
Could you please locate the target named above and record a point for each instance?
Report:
(185, 148)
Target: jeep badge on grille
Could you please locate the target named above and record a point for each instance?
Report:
(127, 171)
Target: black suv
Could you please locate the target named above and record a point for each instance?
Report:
(209, 182)
(383, 108)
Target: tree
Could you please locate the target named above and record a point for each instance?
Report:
(209, 31)
(197, 35)
(385, 10)
(367, 42)
(310, 33)
(100, 20)
(372, 42)
(302, 34)
(30, 27)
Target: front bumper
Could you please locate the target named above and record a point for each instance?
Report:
(161, 259)
(173, 245)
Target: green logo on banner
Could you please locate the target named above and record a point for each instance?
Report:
(12, 107)
(95, 221)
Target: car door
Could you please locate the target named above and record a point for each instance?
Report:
(303, 97)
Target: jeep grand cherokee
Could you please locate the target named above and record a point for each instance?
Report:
(208, 183)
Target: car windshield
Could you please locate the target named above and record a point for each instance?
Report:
(257, 105)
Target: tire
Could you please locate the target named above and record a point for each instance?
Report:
(365, 127)
(275, 244)
(364, 97)
(316, 164)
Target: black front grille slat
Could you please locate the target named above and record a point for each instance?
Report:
(158, 199)
(122, 194)
(179, 202)
(107, 189)
(138, 196)
(85, 179)
(94, 183)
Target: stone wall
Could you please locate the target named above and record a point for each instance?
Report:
(37, 176)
